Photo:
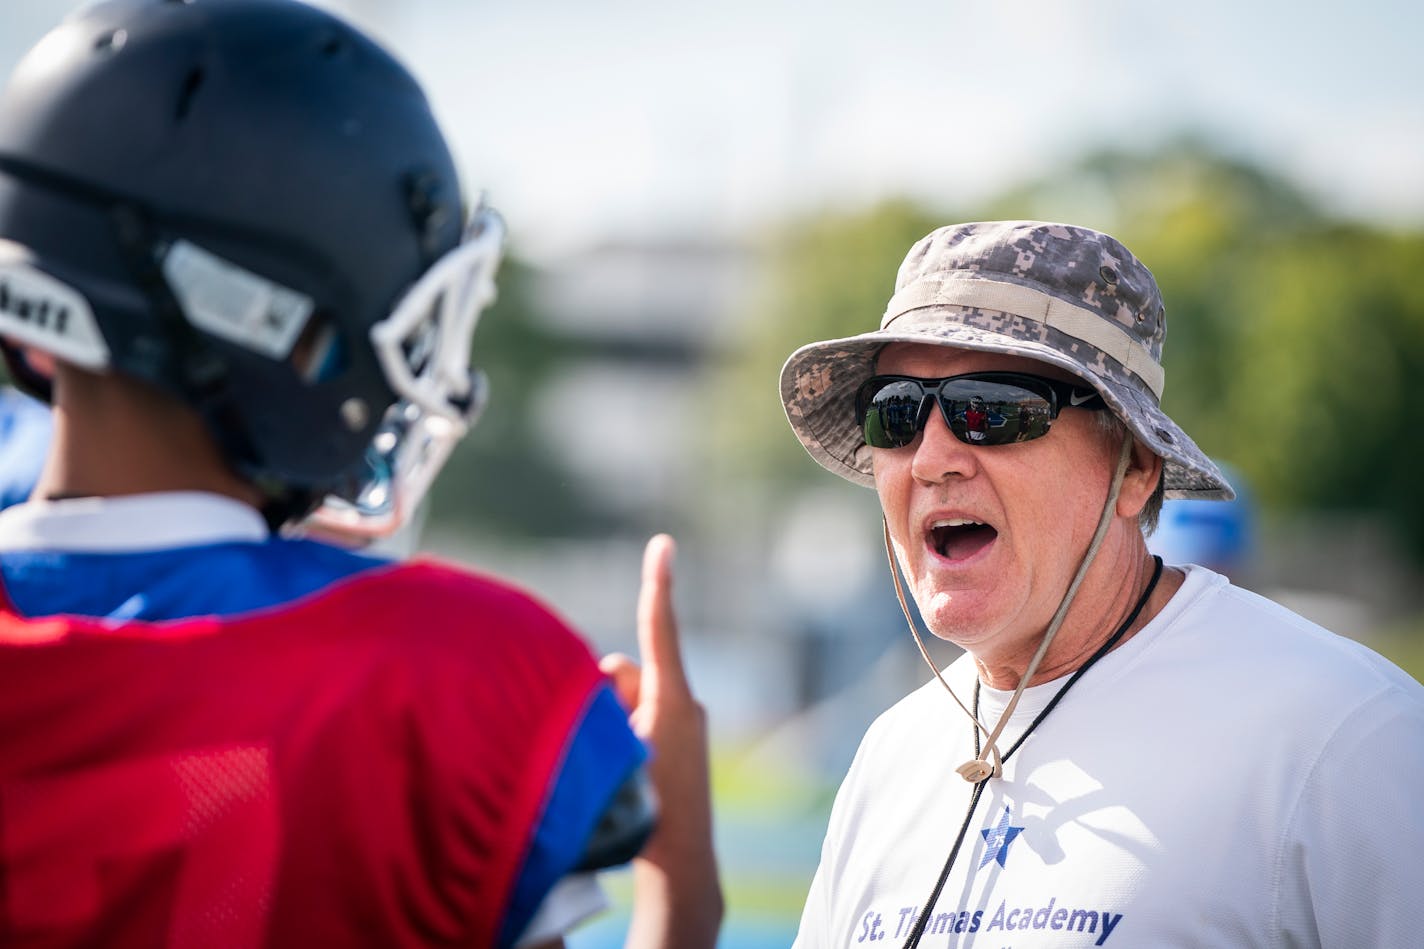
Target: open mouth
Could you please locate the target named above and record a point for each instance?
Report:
(959, 538)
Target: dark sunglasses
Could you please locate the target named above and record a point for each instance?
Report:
(980, 408)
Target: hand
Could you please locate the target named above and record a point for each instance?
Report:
(677, 899)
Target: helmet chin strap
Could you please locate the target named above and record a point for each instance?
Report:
(976, 770)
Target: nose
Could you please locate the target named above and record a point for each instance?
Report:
(938, 454)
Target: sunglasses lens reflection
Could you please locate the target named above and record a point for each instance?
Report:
(978, 412)
(892, 415)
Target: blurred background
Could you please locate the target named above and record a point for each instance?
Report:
(693, 192)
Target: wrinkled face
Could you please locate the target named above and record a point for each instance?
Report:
(989, 537)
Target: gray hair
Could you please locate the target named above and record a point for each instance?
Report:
(1115, 430)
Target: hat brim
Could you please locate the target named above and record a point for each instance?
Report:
(819, 382)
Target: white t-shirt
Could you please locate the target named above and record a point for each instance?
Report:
(1232, 775)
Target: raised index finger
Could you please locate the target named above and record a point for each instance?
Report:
(657, 623)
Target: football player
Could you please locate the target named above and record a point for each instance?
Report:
(233, 233)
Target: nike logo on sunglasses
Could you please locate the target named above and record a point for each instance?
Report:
(1075, 400)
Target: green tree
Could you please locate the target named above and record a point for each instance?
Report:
(1326, 377)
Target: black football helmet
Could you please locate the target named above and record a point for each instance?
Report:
(248, 204)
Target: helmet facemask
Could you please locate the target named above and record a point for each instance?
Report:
(424, 349)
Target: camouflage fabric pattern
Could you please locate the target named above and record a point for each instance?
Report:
(1080, 266)
(1085, 268)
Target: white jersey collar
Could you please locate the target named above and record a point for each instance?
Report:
(135, 522)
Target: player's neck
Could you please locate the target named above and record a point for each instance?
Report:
(116, 437)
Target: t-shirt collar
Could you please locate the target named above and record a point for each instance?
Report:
(130, 523)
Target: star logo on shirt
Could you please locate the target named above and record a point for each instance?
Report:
(997, 840)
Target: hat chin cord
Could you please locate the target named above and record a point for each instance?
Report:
(978, 769)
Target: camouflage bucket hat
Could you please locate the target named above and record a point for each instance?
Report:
(1067, 296)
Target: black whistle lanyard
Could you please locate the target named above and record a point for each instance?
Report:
(918, 930)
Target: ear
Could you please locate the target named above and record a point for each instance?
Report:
(1139, 481)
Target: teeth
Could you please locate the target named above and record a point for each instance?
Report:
(956, 522)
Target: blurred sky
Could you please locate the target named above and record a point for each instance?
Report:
(648, 117)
